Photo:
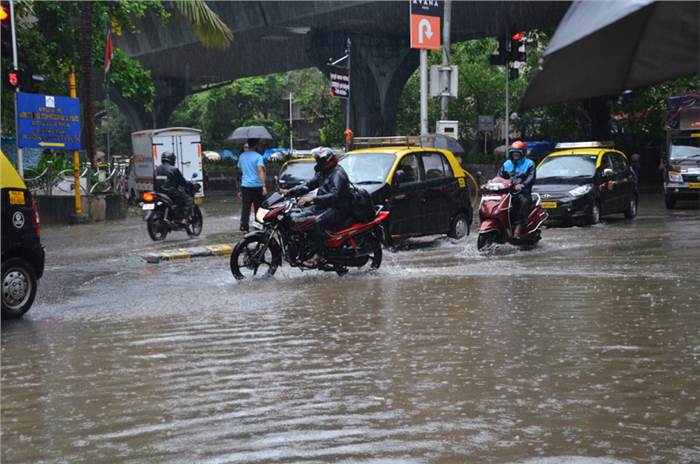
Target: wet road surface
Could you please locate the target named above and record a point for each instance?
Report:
(585, 350)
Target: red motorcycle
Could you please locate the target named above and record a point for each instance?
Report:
(286, 234)
(494, 212)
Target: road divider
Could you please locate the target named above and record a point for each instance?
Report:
(188, 253)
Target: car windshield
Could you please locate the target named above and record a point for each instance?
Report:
(685, 148)
(296, 173)
(367, 168)
(567, 166)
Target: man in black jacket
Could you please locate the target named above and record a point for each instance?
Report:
(333, 200)
(169, 180)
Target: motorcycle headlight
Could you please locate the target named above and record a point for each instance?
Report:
(580, 191)
(674, 176)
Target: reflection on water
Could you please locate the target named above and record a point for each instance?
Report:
(583, 351)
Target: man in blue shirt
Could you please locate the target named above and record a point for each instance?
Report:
(251, 173)
(521, 171)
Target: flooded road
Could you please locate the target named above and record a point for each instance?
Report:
(584, 350)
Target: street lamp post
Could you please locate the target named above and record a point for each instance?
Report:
(20, 161)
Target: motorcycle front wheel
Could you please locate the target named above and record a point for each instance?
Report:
(196, 222)
(252, 258)
(157, 228)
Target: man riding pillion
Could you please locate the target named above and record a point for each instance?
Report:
(170, 181)
(521, 171)
(332, 202)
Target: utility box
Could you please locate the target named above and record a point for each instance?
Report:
(449, 128)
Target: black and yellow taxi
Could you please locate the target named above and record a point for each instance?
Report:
(22, 253)
(582, 181)
(425, 188)
(295, 172)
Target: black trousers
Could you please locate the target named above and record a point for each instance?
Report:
(520, 208)
(183, 201)
(323, 219)
(249, 196)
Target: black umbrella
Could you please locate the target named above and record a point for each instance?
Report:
(604, 48)
(446, 142)
(242, 134)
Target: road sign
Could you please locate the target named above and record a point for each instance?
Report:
(340, 81)
(45, 121)
(426, 16)
(485, 123)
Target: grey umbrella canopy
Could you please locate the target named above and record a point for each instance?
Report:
(242, 134)
(603, 48)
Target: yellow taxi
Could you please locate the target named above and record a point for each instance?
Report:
(582, 181)
(295, 172)
(425, 188)
(22, 253)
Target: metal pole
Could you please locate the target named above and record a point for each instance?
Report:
(507, 118)
(423, 91)
(291, 136)
(20, 158)
(347, 101)
(76, 157)
(446, 75)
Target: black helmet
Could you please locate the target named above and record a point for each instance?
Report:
(168, 157)
(325, 158)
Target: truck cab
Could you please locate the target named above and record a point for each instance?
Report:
(681, 163)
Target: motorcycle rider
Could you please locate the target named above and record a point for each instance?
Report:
(332, 202)
(521, 171)
(170, 181)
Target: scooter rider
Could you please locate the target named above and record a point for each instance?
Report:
(332, 202)
(521, 171)
(170, 181)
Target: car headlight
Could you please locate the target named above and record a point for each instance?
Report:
(674, 176)
(580, 191)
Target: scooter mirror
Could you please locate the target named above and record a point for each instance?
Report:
(195, 175)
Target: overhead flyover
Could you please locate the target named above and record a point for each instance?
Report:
(278, 36)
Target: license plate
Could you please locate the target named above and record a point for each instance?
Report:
(16, 197)
(694, 185)
(548, 204)
(148, 206)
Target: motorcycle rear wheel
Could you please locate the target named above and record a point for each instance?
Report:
(250, 258)
(157, 229)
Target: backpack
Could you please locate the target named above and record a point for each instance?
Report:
(362, 206)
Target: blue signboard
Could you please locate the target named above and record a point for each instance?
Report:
(45, 121)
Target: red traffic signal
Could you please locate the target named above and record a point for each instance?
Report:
(518, 36)
(13, 77)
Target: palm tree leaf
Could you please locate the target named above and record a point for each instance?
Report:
(206, 24)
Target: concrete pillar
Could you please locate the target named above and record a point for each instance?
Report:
(168, 96)
(380, 68)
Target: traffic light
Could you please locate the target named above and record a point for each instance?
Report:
(513, 73)
(13, 77)
(4, 15)
(516, 40)
(502, 57)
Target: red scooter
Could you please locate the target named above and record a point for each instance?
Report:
(494, 213)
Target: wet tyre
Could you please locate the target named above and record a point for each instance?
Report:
(670, 202)
(459, 228)
(631, 209)
(375, 259)
(487, 241)
(18, 287)
(594, 215)
(196, 222)
(157, 229)
(251, 258)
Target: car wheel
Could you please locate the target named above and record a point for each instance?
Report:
(594, 215)
(18, 287)
(459, 227)
(631, 210)
(670, 202)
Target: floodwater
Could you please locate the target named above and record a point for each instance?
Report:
(585, 350)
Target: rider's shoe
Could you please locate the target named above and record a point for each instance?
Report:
(518, 232)
(315, 261)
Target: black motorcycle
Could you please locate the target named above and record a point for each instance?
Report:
(286, 234)
(162, 215)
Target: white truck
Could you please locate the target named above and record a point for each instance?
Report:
(682, 160)
(148, 147)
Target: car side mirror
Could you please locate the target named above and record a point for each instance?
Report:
(607, 172)
(398, 177)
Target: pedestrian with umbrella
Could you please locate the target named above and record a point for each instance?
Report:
(251, 173)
